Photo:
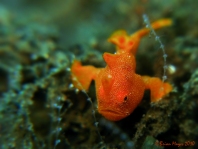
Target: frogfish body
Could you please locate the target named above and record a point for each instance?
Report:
(119, 89)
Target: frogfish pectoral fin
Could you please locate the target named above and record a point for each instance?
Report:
(158, 88)
(82, 75)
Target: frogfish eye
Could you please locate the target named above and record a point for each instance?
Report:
(125, 98)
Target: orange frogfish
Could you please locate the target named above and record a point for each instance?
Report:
(119, 89)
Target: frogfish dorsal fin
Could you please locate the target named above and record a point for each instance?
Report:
(123, 41)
